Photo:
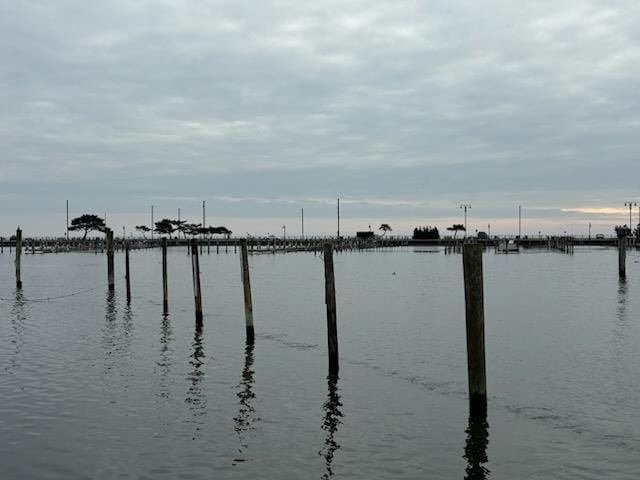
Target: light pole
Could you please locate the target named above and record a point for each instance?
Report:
(489, 230)
(589, 230)
(519, 221)
(152, 223)
(302, 219)
(465, 206)
(338, 219)
(630, 205)
(284, 233)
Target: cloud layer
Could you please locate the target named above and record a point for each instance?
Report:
(406, 108)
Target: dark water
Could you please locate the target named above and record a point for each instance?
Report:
(93, 388)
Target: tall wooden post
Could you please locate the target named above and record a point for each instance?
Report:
(622, 257)
(330, 301)
(18, 255)
(195, 270)
(165, 282)
(110, 265)
(246, 285)
(474, 307)
(127, 271)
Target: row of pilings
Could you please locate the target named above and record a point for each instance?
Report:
(473, 290)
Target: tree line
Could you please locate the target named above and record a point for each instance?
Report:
(90, 222)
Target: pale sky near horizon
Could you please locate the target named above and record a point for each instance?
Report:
(402, 109)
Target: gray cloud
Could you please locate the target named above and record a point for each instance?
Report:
(421, 105)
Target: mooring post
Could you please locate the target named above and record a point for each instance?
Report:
(18, 255)
(246, 285)
(195, 269)
(127, 271)
(330, 301)
(110, 266)
(165, 282)
(622, 257)
(474, 307)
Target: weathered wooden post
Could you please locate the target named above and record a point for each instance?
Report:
(474, 307)
(246, 285)
(165, 282)
(622, 257)
(127, 271)
(330, 301)
(110, 266)
(195, 270)
(18, 255)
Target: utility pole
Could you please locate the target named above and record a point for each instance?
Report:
(338, 218)
(67, 220)
(152, 223)
(489, 230)
(589, 230)
(519, 221)
(203, 212)
(465, 206)
(284, 233)
(302, 218)
(630, 205)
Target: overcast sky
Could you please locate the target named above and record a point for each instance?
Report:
(402, 109)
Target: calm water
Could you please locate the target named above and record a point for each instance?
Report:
(91, 388)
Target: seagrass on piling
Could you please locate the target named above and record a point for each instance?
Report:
(127, 274)
(246, 286)
(195, 271)
(110, 265)
(165, 281)
(18, 255)
(330, 301)
(622, 257)
(474, 310)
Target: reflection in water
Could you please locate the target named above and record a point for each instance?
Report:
(246, 412)
(165, 355)
(195, 395)
(109, 340)
(331, 422)
(18, 318)
(621, 310)
(475, 449)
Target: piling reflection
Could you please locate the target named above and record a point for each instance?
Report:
(621, 308)
(195, 395)
(18, 319)
(164, 362)
(332, 420)
(475, 449)
(246, 412)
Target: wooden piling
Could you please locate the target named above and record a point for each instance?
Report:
(330, 301)
(165, 282)
(622, 257)
(246, 285)
(127, 271)
(110, 265)
(474, 307)
(195, 270)
(18, 255)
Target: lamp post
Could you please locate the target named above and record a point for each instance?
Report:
(630, 205)
(465, 206)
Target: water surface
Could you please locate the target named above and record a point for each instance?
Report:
(94, 388)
